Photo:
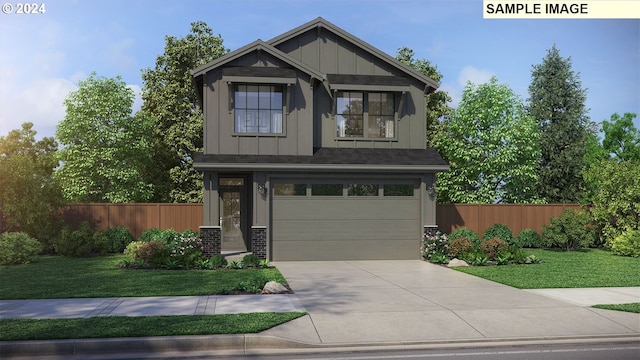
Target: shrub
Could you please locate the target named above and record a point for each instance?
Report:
(529, 238)
(467, 234)
(81, 242)
(150, 234)
(118, 238)
(501, 232)
(154, 252)
(460, 246)
(186, 251)
(251, 260)
(627, 243)
(132, 249)
(570, 231)
(218, 261)
(492, 247)
(18, 248)
(437, 244)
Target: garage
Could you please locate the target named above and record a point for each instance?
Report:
(345, 220)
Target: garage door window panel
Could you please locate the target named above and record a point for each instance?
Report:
(290, 189)
(399, 190)
(326, 190)
(362, 190)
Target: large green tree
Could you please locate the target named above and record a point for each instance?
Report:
(621, 137)
(492, 148)
(170, 99)
(105, 150)
(557, 103)
(437, 102)
(28, 191)
(616, 199)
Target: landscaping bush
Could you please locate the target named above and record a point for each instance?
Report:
(150, 234)
(467, 234)
(492, 247)
(436, 245)
(218, 261)
(529, 238)
(501, 232)
(118, 238)
(460, 246)
(186, 251)
(154, 253)
(132, 249)
(570, 231)
(627, 243)
(251, 260)
(81, 242)
(18, 248)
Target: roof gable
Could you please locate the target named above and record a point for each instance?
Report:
(257, 45)
(319, 22)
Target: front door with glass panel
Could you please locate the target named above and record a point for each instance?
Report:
(233, 213)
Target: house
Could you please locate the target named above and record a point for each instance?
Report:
(315, 149)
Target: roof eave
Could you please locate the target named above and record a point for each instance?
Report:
(320, 167)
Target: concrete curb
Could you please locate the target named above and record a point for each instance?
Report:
(248, 344)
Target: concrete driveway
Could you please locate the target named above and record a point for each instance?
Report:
(361, 302)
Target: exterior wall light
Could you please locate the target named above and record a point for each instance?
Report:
(262, 190)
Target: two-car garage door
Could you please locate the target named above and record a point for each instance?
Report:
(345, 221)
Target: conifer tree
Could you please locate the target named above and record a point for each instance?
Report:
(557, 102)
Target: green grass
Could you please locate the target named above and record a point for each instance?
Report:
(577, 269)
(631, 307)
(119, 326)
(51, 277)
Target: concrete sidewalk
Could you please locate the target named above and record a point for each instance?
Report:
(358, 304)
(147, 306)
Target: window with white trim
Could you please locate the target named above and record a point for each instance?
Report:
(369, 115)
(258, 109)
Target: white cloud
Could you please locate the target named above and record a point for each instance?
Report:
(475, 75)
(41, 102)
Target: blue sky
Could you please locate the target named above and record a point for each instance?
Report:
(43, 56)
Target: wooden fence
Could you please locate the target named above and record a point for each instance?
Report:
(140, 217)
(136, 217)
(479, 217)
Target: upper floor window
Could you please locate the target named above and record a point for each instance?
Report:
(365, 115)
(258, 109)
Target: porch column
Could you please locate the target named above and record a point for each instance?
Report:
(211, 240)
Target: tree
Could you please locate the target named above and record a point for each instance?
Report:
(437, 101)
(556, 102)
(28, 192)
(621, 137)
(616, 202)
(491, 145)
(170, 99)
(105, 150)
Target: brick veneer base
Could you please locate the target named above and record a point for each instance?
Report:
(430, 230)
(211, 240)
(259, 241)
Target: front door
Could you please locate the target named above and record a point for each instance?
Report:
(233, 201)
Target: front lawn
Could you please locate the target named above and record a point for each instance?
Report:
(54, 277)
(122, 326)
(575, 269)
(630, 307)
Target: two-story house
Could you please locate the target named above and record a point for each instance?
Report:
(315, 149)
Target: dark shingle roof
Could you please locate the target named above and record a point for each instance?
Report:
(372, 158)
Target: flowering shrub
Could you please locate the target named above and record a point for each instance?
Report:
(187, 251)
(460, 246)
(154, 253)
(437, 244)
(492, 247)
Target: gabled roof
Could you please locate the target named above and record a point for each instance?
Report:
(257, 45)
(322, 23)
